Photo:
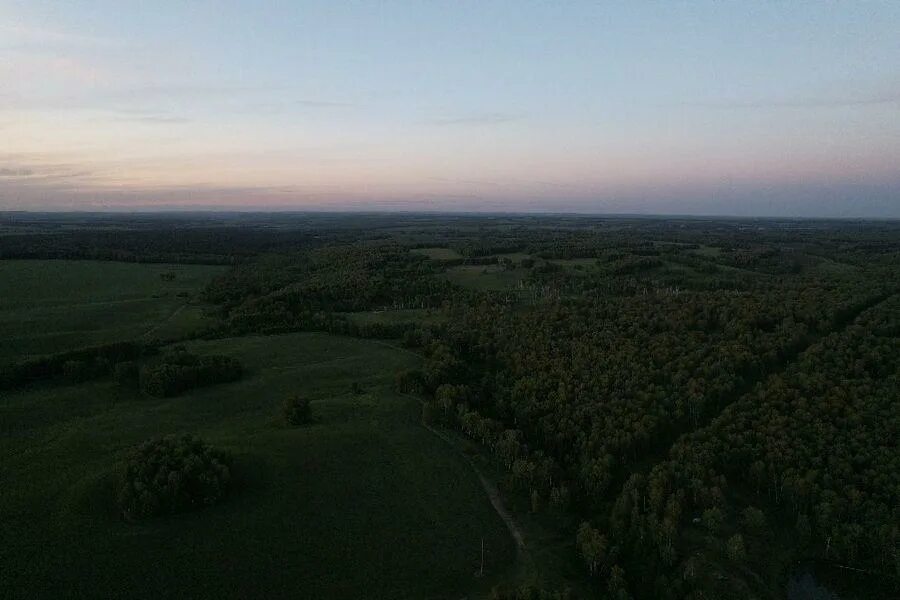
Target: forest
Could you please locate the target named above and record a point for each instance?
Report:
(668, 408)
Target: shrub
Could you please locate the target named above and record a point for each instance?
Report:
(409, 381)
(126, 373)
(754, 520)
(173, 474)
(411, 339)
(78, 371)
(428, 413)
(296, 411)
(178, 372)
(734, 548)
(74, 365)
(713, 519)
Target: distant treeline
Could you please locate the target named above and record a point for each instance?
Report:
(129, 363)
(180, 371)
(74, 365)
(217, 246)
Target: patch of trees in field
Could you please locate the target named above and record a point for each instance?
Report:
(296, 411)
(129, 364)
(74, 366)
(173, 474)
(179, 371)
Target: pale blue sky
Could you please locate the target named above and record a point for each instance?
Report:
(656, 107)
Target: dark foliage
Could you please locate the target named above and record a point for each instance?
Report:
(126, 373)
(173, 474)
(296, 411)
(178, 372)
(75, 365)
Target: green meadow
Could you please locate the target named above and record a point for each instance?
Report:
(363, 503)
(492, 278)
(438, 253)
(49, 306)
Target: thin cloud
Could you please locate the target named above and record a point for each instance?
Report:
(477, 119)
(802, 103)
(322, 104)
(33, 169)
(139, 100)
(469, 181)
(53, 66)
(274, 108)
(510, 183)
(16, 172)
(153, 119)
(186, 91)
(23, 35)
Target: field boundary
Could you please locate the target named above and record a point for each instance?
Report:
(493, 494)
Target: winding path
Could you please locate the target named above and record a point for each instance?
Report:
(489, 487)
(171, 316)
(492, 492)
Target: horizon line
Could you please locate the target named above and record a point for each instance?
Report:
(170, 211)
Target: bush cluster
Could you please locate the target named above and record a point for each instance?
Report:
(74, 366)
(173, 474)
(296, 411)
(178, 372)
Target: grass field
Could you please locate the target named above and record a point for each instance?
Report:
(576, 264)
(438, 253)
(707, 251)
(394, 317)
(513, 256)
(364, 503)
(485, 277)
(49, 306)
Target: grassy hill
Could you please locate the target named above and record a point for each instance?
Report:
(49, 306)
(365, 502)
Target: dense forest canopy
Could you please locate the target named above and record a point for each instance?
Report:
(702, 408)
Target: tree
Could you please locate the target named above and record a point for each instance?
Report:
(428, 413)
(592, 545)
(173, 474)
(559, 497)
(409, 381)
(449, 396)
(126, 373)
(616, 583)
(508, 447)
(754, 520)
(734, 548)
(296, 410)
(713, 519)
(180, 371)
(802, 527)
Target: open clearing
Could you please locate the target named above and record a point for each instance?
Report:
(49, 306)
(438, 253)
(364, 503)
(485, 277)
(395, 317)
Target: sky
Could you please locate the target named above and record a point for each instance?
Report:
(706, 108)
